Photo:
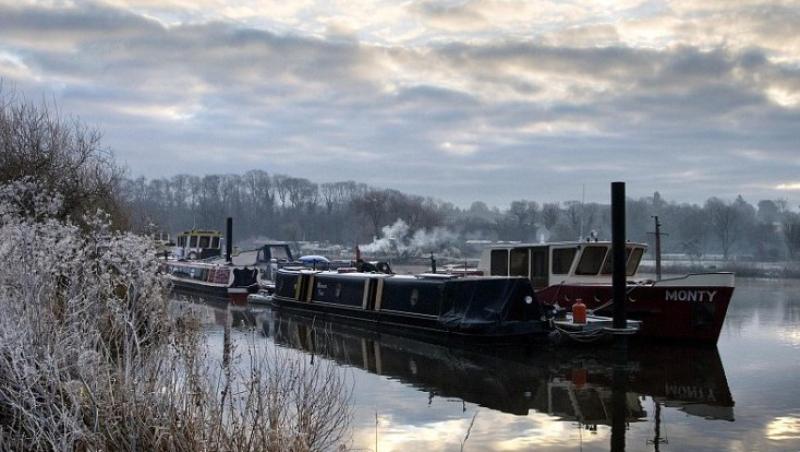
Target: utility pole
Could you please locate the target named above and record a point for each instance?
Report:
(658, 235)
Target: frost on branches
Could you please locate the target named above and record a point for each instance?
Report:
(91, 360)
(76, 306)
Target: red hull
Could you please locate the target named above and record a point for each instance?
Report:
(688, 314)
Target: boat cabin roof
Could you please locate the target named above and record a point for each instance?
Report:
(562, 244)
(546, 264)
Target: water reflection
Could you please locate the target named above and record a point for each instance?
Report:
(604, 395)
(426, 396)
(572, 384)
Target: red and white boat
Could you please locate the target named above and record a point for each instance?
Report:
(247, 272)
(689, 308)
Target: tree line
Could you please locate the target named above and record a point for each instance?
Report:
(290, 208)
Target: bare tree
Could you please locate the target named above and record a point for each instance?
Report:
(791, 234)
(550, 214)
(61, 154)
(724, 221)
(372, 205)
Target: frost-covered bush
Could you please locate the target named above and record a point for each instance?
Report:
(90, 358)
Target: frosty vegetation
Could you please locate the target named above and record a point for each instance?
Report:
(90, 358)
(62, 154)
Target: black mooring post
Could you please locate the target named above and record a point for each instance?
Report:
(619, 406)
(618, 252)
(433, 263)
(228, 239)
(620, 375)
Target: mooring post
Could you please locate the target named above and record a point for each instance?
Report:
(228, 239)
(618, 252)
(619, 276)
(433, 263)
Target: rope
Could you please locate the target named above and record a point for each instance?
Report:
(627, 292)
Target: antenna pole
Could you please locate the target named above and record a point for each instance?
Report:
(583, 200)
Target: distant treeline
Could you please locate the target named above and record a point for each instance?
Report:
(289, 208)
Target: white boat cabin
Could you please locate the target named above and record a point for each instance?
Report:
(546, 264)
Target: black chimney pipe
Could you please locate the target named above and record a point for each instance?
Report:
(618, 252)
(228, 239)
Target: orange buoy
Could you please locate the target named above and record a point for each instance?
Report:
(578, 312)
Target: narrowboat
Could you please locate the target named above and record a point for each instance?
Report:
(689, 308)
(492, 309)
(247, 272)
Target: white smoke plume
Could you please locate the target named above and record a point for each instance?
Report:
(395, 241)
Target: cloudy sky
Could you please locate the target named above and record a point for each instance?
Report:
(478, 99)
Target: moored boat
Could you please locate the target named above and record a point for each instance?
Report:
(493, 309)
(245, 273)
(689, 308)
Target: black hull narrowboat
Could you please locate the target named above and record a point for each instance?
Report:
(487, 309)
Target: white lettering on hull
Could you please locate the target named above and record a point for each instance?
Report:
(690, 295)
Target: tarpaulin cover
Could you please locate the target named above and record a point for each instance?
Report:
(464, 304)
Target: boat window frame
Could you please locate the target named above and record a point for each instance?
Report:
(285, 254)
(597, 265)
(559, 250)
(204, 241)
(193, 241)
(215, 242)
(525, 268)
(542, 278)
(632, 271)
(494, 263)
(608, 265)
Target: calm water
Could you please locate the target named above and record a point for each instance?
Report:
(743, 395)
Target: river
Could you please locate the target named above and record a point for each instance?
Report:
(742, 395)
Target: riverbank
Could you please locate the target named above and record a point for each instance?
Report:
(788, 270)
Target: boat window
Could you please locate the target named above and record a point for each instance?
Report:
(182, 241)
(608, 268)
(193, 241)
(215, 243)
(591, 260)
(539, 275)
(279, 252)
(519, 262)
(562, 260)
(262, 257)
(633, 261)
(499, 265)
(205, 241)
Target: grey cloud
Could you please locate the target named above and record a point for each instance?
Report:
(342, 109)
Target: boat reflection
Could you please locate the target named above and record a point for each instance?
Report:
(593, 386)
(571, 383)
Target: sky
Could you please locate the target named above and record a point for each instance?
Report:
(487, 100)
